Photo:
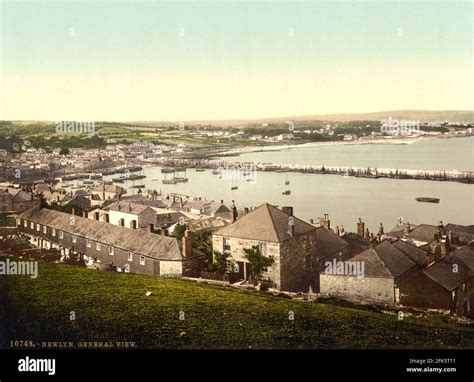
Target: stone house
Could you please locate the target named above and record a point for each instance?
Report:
(131, 215)
(290, 241)
(384, 267)
(447, 284)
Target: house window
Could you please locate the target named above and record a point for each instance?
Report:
(38, 227)
(263, 248)
(61, 234)
(130, 256)
(74, 239)
(142, 260)
(53, 231)
(32, 225)
(226, 242)
(111, 251)
(44, 229)
(97, 246)
(25, 223)
(88, 243)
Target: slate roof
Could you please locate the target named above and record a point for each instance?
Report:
(265, 223)
(442, 271)
(133, 240)
(129, 208)
(357, 243)
(328, 243)
(417, 254)
(385, 260)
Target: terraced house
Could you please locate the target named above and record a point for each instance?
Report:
(129, 250)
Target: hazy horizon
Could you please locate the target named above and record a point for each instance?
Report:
(205, 61)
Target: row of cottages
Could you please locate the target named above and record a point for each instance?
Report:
(299, 249)
(98, 242)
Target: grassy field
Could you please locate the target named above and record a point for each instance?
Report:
(114, 307)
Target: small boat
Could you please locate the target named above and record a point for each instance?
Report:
(180, 179)
(287, 192)
(234, 187)
(168, 181)
(427, 200)
(167, 170)
(287, 183)
(200, 169)
(138, 186)
(216, 172)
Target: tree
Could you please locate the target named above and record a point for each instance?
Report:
(178, 231)
(257, 260)
(221, 263)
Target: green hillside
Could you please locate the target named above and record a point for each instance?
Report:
(114, 307)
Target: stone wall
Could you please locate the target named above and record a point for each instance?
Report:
(377, 290)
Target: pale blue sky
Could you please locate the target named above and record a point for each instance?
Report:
(210, 60)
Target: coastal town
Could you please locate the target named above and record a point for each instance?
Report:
(75, 207)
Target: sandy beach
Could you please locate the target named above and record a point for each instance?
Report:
(375, 141)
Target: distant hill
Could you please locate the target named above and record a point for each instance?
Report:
(422, 115)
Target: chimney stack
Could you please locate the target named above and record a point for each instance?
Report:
(338, 233)
(407, 228)
(381, 229)
(444, 246)
(367, 234)
(246, 210)
(187, 244)
(288, 210)
(311, 221)
(342, 230)
(360, 227)
(325, 222)
(233, 213)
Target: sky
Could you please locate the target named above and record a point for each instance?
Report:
(183, 61)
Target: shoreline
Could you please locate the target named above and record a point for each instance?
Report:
(386, 141)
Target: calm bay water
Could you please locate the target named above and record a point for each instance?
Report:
(347, 198)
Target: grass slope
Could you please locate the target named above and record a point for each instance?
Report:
(113, 307)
